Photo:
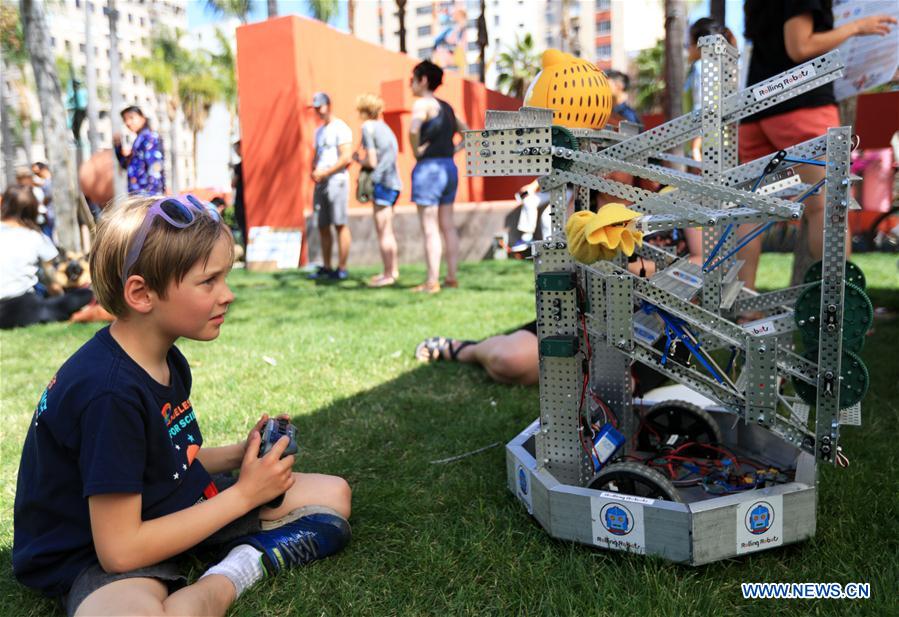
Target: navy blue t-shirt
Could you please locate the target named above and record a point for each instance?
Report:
(103, 425)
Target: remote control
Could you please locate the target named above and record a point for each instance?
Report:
(275, 429)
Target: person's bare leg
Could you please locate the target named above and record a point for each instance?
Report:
(450, 238)
(211, 595)
(386, 240)
(324, 233)
(749, 254)
(507, 358)
(427, 216)
(344, 239)
(313, 489)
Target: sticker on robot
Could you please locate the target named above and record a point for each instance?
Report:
(631, 498)
(761, 328)
(797, 76)
(685, 277)
(523, 487)
(759, 524)
(618, 525)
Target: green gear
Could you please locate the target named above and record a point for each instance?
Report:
(563, 138)
(854, 380)
(858, 315)
(854, 274)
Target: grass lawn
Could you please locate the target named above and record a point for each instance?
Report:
(450, 539)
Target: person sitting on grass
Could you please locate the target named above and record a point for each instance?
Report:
(114, 480)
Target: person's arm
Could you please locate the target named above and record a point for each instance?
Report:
(121, 153)
(344, 157)
(124, 541)
(460, 128)
(220, 459)
(803, 43)
(419, 117)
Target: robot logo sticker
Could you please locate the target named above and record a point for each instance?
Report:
(760, 518)
(523, 487)
(617, 525)
(617, 519)
(759, 524)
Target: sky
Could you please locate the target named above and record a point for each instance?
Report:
(199, 15)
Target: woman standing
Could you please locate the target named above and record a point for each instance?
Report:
(144, 160)
(24, 250)
(435, 177)
(787, 34)
(378, 152)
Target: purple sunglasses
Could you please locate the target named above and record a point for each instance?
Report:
(179, 211)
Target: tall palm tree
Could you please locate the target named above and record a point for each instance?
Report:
(518, 66)
(401, 13)
(237, 8)
(53, 121)
(14, 55)
(272, 6)
(351, 15)
(483, 41)
(198, 90)
(323, 10)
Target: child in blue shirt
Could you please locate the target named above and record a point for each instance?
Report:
(115, 480)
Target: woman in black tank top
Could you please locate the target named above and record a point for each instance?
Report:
(435, 177)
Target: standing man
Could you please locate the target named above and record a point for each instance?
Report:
(619, 83)
(333, 153)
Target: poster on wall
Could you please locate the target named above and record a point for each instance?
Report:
(273, 248)
(870, 60)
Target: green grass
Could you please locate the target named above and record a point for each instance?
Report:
(450, 539)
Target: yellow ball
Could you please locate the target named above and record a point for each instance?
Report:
(576, 90)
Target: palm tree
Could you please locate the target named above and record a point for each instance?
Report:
(198, 89)
(648, 87)
(14, 56)
(53, 120)
(238, 8)
(160, 70)
(323, 10)
(483, 41)
(272, 6)
(517, 67)
(401, 13)
(351, 15)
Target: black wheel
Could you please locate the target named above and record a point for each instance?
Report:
(634, 479)
(673, 423)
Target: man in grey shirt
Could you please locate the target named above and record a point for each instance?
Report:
(333, 153)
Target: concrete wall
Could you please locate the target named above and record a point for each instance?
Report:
(477, 223)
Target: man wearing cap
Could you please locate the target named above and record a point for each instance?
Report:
(333, 153)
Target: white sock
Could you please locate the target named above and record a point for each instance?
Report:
(242, 566)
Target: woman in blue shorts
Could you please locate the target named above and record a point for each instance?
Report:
(435, 177)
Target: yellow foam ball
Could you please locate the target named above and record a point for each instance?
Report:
(576, 90)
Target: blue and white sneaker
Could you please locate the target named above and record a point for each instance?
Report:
(338, 275)
(320, 273)
(306, 539)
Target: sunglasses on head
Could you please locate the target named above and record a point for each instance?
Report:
(179, 211)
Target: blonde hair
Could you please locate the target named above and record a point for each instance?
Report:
(168, 253)
(370, 104)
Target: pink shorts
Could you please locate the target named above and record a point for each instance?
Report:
(768, 135)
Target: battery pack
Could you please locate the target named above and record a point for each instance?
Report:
(605, 444)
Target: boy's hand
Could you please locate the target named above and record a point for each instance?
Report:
(263, 479)
(258, 429)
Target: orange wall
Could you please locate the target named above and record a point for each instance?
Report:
(280, 64)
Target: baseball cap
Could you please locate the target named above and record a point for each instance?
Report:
(319, 99)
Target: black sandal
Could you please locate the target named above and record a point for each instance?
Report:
(435, 349)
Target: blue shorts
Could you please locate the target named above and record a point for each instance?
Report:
(384, 196)
(434, 182)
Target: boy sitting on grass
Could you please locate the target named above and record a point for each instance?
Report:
(114, 481)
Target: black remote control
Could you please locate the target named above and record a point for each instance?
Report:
(275, 429)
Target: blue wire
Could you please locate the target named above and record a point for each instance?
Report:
(790, 159)
(729, 227)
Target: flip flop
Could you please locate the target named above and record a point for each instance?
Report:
(435, 349)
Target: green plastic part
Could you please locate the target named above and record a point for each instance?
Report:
(556, 281)
(858, 315)
(854, 380)
(853, 274)
(563, 138)
(558, 346)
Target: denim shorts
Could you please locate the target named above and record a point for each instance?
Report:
(434, 182)
(384, 196)
(168, 572)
